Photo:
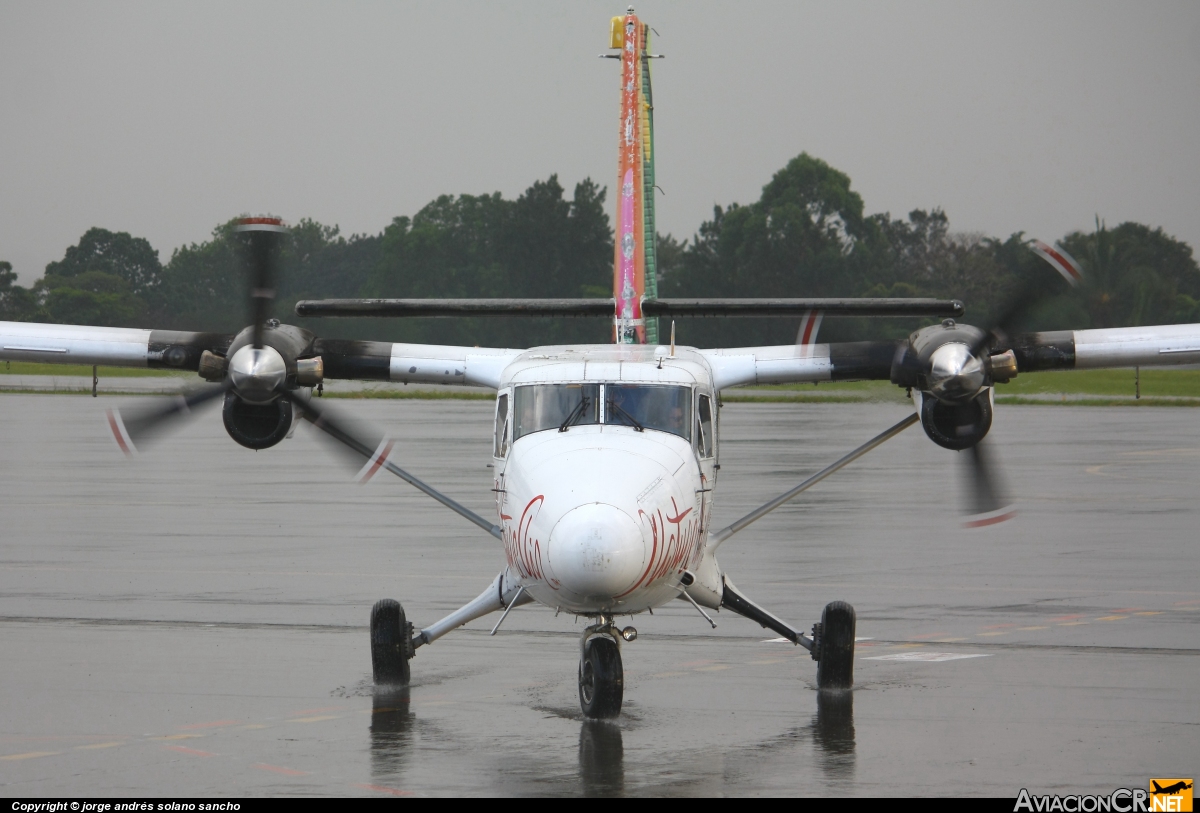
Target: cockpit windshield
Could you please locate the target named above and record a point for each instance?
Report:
(555, 406)
(650, 406)
(538, 407)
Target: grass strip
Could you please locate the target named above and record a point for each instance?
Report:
(1144, 401)
(37, 368)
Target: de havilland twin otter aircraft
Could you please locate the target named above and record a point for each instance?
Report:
(606, 457)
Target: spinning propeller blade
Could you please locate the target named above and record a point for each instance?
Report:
(263, 235)
(138, 425)
(988, 503)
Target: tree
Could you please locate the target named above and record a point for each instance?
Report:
(17, 304)
(108, 279)
(539, 245)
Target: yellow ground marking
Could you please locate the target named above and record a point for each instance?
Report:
(997, 632)
(1031, 628)
(1150, 612)
(98, 745)
(909, 646)
(30, 755)
(1112, 618)
(212, 724)
(317, 719)
(1072, 623)
(716, 667)
(178, 737)
(947, 640)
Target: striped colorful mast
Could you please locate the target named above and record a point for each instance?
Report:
(634, 261)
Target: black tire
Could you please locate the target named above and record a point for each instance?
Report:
(390, 645)
(835, 665)
(601, 679)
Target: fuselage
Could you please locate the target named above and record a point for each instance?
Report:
(605, 460)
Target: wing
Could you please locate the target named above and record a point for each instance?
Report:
(179, 350)
(1156, 346)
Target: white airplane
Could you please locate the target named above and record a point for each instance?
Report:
(606, 457)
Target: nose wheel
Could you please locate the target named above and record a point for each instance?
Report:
(601, 678)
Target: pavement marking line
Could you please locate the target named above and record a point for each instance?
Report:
(385, 789)
(1025, 629)
(262, 766)
(317, 719)
(1112, 618)
(179, 737)
(1072, 623)
(1149, 612)
(213, 724)
(927, 657)
(30, 755)
(986, 634)
(185, 750)
(307, 712)
(98, 745)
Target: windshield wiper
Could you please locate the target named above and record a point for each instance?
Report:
(575, 415)
(613, 406)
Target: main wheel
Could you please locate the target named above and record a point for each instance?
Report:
(390, 644)
(601, 678)
(835, 661)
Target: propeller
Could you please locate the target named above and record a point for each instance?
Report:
(953, 365)
(256, 372)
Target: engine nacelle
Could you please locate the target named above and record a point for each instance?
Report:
(956, 426)
(257, 426)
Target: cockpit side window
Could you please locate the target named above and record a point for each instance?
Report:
(501, 448)
(704, 426)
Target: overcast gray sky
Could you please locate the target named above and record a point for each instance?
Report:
(165, 119)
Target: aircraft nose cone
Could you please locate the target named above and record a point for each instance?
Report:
(597, 551)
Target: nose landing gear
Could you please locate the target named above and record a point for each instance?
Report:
(601, 675)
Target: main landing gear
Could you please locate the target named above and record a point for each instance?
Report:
(391, 643)
(831, 644)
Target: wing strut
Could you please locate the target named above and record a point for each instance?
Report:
(376, 455)
(715, 539)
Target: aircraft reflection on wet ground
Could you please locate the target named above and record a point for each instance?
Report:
(601, 743)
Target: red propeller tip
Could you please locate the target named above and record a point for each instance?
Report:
(990, 518)
(262, 223)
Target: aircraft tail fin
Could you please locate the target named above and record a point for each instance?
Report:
(634, 261)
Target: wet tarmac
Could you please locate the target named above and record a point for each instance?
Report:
(194, 621)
